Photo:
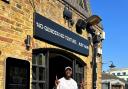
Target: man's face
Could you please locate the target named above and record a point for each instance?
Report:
(68, 73)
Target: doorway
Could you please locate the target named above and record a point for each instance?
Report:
(57, 64)
(52, 63)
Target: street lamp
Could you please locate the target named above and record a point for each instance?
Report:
(91, 21)
(112, 65)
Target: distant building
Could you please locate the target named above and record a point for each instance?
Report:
(120, 72)
(110, 81)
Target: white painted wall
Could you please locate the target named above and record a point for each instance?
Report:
(116, 71)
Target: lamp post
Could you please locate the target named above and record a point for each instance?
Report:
(91, 21)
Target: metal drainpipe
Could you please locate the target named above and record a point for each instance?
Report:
(94, 70)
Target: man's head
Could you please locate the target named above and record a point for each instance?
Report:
(68, 72)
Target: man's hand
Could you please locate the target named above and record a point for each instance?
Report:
(57, 82)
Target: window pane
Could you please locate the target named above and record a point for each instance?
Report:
(34, 73)
(113, 73)
(34, 85)
(34, 59)
(18, 75)
(41, 86)
(41, 59)
(118, 74)
(41, 74)
(124, 73)
(76, 67)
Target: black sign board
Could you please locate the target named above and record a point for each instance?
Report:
(51, 32)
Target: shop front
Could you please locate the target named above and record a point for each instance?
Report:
(39, 38)
(49, 63)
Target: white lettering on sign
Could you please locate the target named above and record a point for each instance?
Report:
(61, 35)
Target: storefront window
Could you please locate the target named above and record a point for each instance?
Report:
(38, 71)
(17, 74)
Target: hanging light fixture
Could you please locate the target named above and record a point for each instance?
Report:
(112, 65)
(80, 25)
(88, 23)
(91, 21)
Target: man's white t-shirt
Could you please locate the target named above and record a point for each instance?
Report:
(67, 84)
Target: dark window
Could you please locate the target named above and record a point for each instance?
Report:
(38, 71)
(82, 3)
(124, 73)
(118, 74)
(17, 74)
(113, 73)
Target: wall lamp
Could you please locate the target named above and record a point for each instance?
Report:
(7, 1)
(67, 15)
(80, 25)
(91, 21)
(88, 23)
(28, 42)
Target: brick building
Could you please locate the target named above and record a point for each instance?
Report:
(38, 39)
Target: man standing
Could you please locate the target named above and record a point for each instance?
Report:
(66, 82)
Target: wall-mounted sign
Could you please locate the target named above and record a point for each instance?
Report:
(53, 33)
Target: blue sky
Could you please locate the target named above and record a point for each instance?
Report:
(114, 14)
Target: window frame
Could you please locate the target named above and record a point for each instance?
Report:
(38, 66)
(13, 63)
(124, 73)
(118, 74)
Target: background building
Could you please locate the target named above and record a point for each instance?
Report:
(112, 82)
(39, 38)
(120, 72)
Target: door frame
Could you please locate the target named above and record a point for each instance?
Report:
(68, 55)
